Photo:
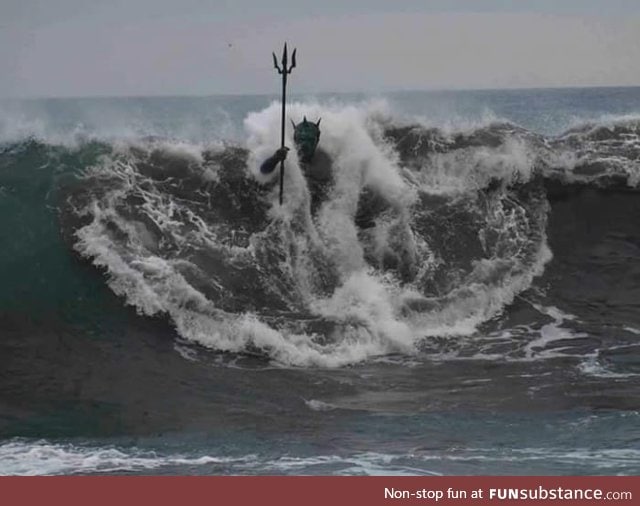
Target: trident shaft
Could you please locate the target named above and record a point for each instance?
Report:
(284, 71)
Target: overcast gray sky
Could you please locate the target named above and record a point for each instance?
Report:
(184, 47)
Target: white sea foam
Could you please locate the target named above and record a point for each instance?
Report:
(74, 121)
(472, 168)
(316, 405)
(594, 368)
(36, 458)
(367, 306)
(604, 120)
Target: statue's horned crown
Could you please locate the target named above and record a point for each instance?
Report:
(305, 123)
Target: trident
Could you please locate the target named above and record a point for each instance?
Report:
(284, 72)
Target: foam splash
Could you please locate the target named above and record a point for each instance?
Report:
(38, 458)
(72, 122)
(23, 458)
(594, 368)
(603, 150)
(372, 309)
(455, 172)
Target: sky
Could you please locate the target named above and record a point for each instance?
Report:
(72, 48)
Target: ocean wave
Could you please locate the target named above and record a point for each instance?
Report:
(191, 231)
(38, 458)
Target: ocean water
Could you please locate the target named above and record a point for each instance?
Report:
(160, 313)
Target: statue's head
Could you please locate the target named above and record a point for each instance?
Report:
(306, 135)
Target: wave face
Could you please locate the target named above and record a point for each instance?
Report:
(194, 234)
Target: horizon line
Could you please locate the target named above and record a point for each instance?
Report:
(311, 93)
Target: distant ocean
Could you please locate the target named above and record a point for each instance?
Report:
(160, 313)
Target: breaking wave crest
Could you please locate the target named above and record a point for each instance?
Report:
(457, 228)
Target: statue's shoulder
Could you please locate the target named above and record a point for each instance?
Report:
(322, 156)
(321, 167)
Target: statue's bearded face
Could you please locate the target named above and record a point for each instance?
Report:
(306, 135)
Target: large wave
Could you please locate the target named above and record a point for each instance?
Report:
(194, 232)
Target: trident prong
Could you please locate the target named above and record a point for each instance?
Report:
(293, 61)
(285, 61)
(275, 63)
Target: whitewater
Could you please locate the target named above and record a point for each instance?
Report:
(162, 313)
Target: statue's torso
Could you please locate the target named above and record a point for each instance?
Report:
(320, 168)
(319, 175)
